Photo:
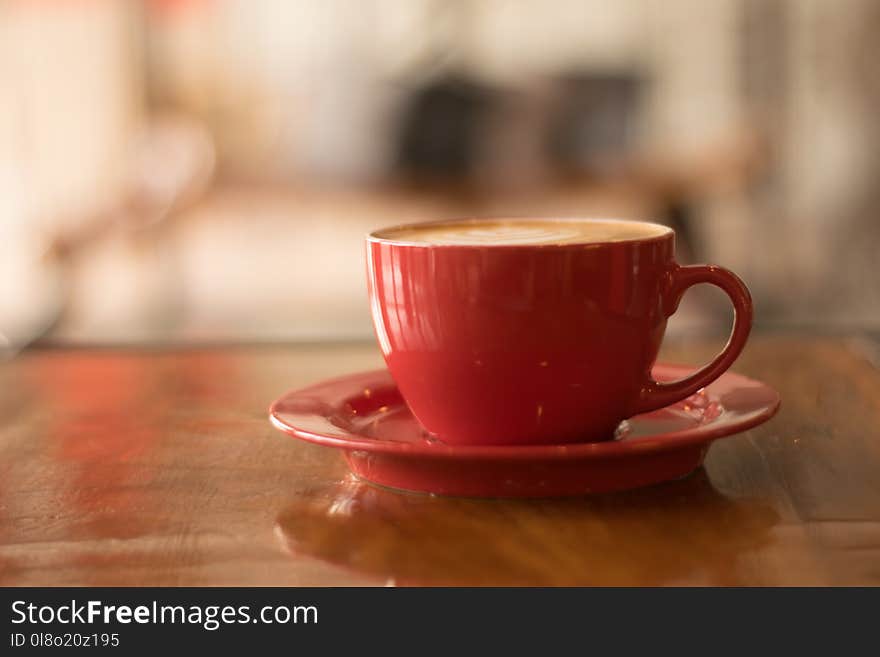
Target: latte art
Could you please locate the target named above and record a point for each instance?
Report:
(505, 234)
(522, 232)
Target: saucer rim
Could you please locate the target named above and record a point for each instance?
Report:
(670, 440)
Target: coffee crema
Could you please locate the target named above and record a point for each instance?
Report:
(488, 232)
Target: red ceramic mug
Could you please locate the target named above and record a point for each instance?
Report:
(500, 340)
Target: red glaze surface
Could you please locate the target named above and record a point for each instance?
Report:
(536, 344)
(365, 416)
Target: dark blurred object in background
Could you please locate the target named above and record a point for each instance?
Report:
(441, 130)
(595, 124)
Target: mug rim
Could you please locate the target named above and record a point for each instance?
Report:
(376, 236)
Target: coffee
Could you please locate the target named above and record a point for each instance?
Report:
(523, 232)
(534, 331)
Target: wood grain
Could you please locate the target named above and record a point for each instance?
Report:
(158, 467)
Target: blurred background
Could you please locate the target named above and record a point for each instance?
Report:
(205, 170)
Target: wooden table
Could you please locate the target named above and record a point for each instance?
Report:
(158, 467)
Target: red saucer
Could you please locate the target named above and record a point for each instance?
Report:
(364, 415)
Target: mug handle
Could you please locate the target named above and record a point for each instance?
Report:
(656, 394)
